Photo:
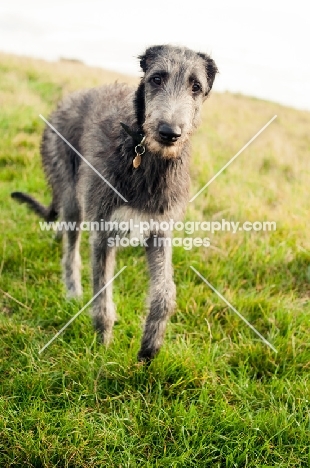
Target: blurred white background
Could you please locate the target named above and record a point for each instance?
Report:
(261, 47)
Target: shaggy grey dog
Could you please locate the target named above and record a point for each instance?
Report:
(146, 159)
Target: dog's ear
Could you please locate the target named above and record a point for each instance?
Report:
(148, 56)
(211, 69)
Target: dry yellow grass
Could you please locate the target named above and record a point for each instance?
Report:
(270, 179)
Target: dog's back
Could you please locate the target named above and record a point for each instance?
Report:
(61, 162)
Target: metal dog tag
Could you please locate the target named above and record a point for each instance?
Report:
(139, 149)
(137, 161)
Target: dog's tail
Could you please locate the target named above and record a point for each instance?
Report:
(49, 213)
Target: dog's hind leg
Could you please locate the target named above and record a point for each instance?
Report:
(71, 261)
(161, 298)
(103, 311)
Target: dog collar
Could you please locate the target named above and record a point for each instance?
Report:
(136, 136)
(139, 138)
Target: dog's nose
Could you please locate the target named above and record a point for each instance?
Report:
(168, 133)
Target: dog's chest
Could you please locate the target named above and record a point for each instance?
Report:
(137, 224)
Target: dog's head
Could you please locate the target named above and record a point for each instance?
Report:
(176, 81)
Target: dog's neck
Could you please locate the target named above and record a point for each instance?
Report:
(137, 136)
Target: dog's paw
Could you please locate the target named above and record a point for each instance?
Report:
(146, 355)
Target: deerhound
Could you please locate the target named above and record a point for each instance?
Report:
(138, 140)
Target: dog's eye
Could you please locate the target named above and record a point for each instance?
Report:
(196, 87)
(156, 80)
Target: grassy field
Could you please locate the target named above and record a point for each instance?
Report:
(215, 396)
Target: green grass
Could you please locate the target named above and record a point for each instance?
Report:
(215, 396)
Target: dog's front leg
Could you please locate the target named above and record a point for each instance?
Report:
(161, 297)
(71, 263)
(103, 311)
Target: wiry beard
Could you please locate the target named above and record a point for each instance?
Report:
(166, 151)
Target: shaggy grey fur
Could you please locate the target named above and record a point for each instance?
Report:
(165, 108)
